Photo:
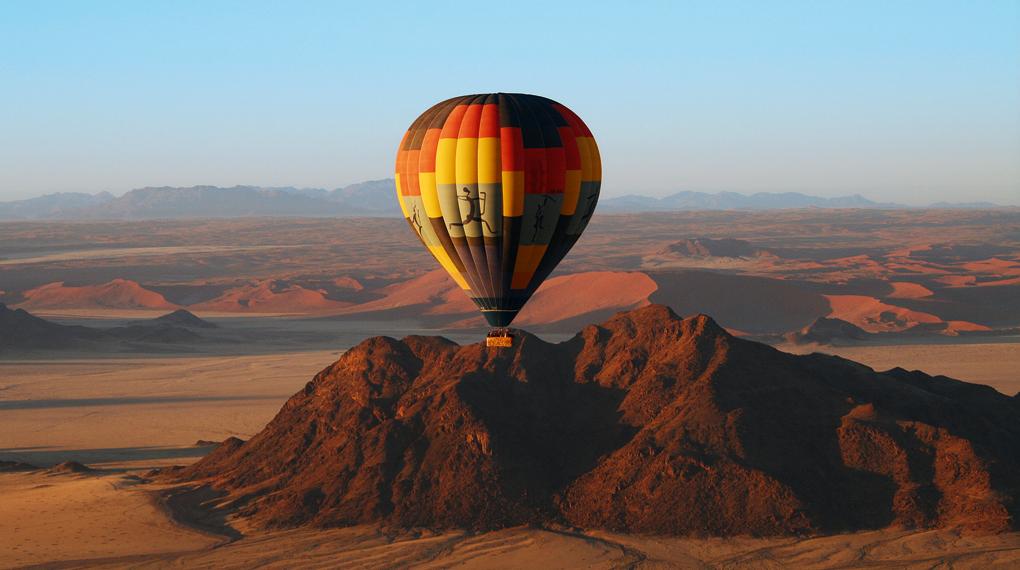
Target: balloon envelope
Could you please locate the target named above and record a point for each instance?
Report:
(498, 187)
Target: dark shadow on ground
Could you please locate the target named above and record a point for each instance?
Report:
(125, 401)
(47, 456)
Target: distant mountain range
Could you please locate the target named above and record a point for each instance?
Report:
(371, 198)
(735, 201)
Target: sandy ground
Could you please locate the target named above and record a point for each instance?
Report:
(142, 412)
(995, 364)
(46, 518)
(111, 521)
(122, 252)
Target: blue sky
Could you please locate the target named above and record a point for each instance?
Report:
(907, 101)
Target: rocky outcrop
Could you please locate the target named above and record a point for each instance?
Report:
(647, 423)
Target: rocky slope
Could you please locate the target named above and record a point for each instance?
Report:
(646, 423)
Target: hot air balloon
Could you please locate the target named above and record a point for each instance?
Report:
(498, 187)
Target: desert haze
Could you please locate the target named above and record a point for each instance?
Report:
(184, 392)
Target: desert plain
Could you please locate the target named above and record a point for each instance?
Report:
(278, 300)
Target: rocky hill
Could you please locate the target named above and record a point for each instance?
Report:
(647, 423)
(23, 331)
(184, 318)
(20, 329)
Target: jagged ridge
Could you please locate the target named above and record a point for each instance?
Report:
(647, 423)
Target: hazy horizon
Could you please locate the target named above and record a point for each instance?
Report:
(878, 197)
(913, 102)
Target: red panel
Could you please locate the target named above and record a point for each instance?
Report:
(573, 155)
(511, 149)
(579, 127)
(427, 158)
(409, 180)
(452, 125)
(556, 171)
(489, 124)
(401, 160)
(469, 125)
(535, 177)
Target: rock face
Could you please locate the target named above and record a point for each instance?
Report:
(648, 423)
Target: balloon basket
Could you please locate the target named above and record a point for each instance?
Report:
(499, 338)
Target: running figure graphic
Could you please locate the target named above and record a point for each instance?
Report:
(476, 207)
(591, 206)
(416, 220)
(539, 217)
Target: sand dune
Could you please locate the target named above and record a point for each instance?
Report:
(905, 290)
(115, 294)
(570, 296)
(435, 289)
(994, 265)
(558, 299)
(271, 296)
(873, 315)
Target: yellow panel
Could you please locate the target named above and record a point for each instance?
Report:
(446, 160)
(489, 161)
(571, 192)
(584, 147)
(513, 193)
(467, 161)
(597, 166)
(440, 254)
(400, 196)
(528, 257)
(429, 194)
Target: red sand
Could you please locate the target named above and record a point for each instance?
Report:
(270, 297)
(569, 296)
(348, 283)
(116, 294)
(957, 326)
(957, 280)
(866, 312)
(434, 288)
(559, 298)
(994, 266)
(904, 290)
(1000, 282)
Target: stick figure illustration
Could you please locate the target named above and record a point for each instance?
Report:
(539, 217)
(416, 220)
(476, 207)
(591, 206)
